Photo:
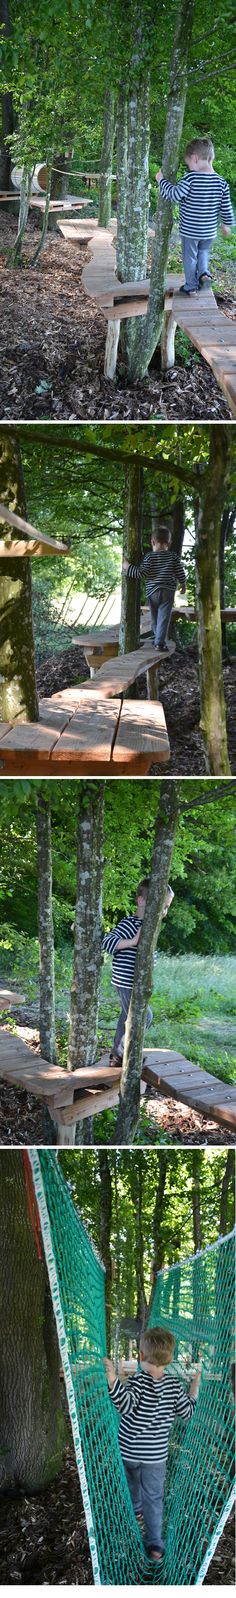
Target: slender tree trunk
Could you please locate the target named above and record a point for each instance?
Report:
(105, 1231)
(227, 1181)
(196, 1198)
(148, 329)
(227, 526)
(31, 1421)
(18, 694)
(25, 196)
(166, 825)
(130, 595)
(121, 166)
(158, 1248)
(213, 711)
(87, 936)
(6, 109)
(46, 941)
(104, 212)
(44, 229)
(137, 187)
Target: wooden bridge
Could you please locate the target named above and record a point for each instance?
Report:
(73, 1096)
(208, 329)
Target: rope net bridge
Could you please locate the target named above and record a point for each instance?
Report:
(196, 1301)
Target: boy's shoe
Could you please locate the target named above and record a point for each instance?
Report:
(115, 1058)
(184, 290)
(204, 280)
(154, 1553)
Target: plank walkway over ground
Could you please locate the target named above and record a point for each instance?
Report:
(207, 327)
(117, 674)
(87, 1091)
(81, 732)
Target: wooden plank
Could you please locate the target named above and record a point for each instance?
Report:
(38, 737)
(209, 1095)
(122, 670)
(90, 736)
(142, 728)
(19, 547)
(10, 998)
(91, 1104)
(7, 515)
(87, 1077)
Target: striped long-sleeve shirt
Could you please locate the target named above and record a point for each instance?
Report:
(123, 960)
(148, 1410)
(161, 568)
(204, 200)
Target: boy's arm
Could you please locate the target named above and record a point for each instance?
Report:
(126, 1398)
(174, 191)
(133, 571)
(181, 577)
(113, 941)
(186, 1399)
(226, 210)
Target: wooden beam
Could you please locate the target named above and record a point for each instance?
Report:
(7, 515)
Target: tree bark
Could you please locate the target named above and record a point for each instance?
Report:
(25, 196)
(135, 236)
(166, 825)
(6, 110)
(196, 1199)
(105, 1231)
(227, 1180)
(31, 1422)
(104, 211)
(130, 594)
(158, 1249)
(213, 711)
(18, 693)
(87, 936)
(147, 335)
(121, 164)
(46, 944)
(227, 525)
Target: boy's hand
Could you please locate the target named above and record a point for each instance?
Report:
(183, 588)
(125, 564)
(226, 230)
(158, 176)
(195, 1383)
(110, 1372)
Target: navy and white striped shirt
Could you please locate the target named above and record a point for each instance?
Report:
(123, 961)
(204, 200)
(161, 568)
(148, 1410)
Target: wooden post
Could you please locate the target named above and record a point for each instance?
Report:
(65, 1135)
(153, 682)
(168, 337)
(112, 341)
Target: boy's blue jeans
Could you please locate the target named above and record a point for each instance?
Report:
(146, 1484)
(161, 606)
(195, 254)
(125, 997)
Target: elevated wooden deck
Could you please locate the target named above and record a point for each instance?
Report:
(71, 1097)
(117, 674)
(81, 732)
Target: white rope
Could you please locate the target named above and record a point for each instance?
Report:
(200, 1254)
(216, 1535)
(62, 1339)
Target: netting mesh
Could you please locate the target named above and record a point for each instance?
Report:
(195, 1301)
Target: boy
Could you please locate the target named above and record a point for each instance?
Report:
(122, 944)
(162, 570)
(149, 1403)
(204, 199)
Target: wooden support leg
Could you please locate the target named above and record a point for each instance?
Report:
(168, 339)
(65, 1134)
(153, 683)
(112, 341)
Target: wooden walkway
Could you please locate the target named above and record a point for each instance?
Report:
(81, 732)
(117, 674)
(88, 1091)
(213, 334)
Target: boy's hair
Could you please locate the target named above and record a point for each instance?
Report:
(202, 147)
(142, 888)
(157, 1346)
(161, 534)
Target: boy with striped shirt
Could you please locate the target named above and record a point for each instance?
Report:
(122, 944)
(204, 200)
(149, 1403)
(162, 570)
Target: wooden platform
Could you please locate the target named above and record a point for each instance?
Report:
(81, 732)
(213, 334)
(88, 1091)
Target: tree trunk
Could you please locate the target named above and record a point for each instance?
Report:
(46, 944)
(87, 936)
(6, 109)
(121, 166)
(25, 196)
(227, 525)
(130, 596)
(104, 211)
(166, 824)
(105, 1231)
(148, 329)
(18, 694)
(196, 1199)
(44, 229)
(158, 1248)
(135, 238)
(227, 1180)
(213, 711)
(31, 1422)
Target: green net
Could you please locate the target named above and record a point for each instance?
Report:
(195, 1300)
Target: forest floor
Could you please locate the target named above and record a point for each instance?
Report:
(53, 342)
(179, 692)
(43, 1538)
